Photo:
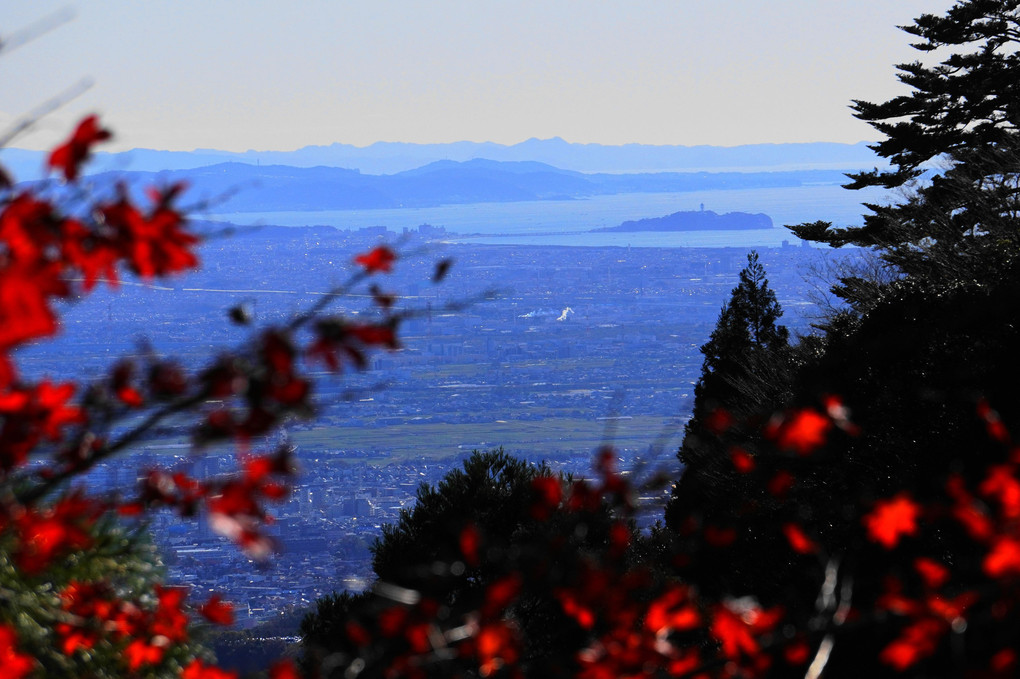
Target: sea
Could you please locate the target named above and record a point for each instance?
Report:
(570, 222)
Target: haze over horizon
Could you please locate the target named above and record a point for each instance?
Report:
(238, 76)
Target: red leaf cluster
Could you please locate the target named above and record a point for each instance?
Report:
(892, 519)
(13, 663)
(378, 259)
(69, 156)
(45, 535)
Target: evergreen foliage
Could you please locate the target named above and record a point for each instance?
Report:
(961, 125)
(121, 564)
(742, 357)
(492, 491)
(744, 374)
(487, 526)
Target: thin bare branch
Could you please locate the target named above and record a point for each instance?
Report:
(36, 29)
(26, 122)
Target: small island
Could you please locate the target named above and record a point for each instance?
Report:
(696, 220)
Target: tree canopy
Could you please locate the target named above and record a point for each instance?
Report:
(953, 143)
(491, 492)
(745, 349)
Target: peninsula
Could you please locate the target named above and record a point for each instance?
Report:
(696, 220)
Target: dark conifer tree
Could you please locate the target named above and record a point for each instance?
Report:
(745, 376)
(743, 357)
(960, 124)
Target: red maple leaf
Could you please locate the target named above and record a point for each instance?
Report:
(69, 156)
(140, 653)
(199, 670)
(217, 611)
(798, 539)
(802, 431)
(892, 519)
(672, 610)
(379, 259)
(733, 633)
(496, 646)
(470, 543)
(1002, 484)
(917, 641)
(934, 573)
(284, 669)
(743, 461)
(548, 493)
(25, 312)
(1003, 559)
(13, 664)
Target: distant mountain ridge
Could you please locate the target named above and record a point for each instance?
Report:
(240, 187)
(394, 157)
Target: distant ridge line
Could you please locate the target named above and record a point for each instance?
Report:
(394, 157)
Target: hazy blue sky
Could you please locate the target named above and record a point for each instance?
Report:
(271, 75)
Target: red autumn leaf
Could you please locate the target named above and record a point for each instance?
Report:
(802, 431)
(284, 669)
(582, 614)
(130, 397)
(993, 422)
(47, 534)
(891, 520)
(798, 539)
(797, 652)
(719, 421)
(672, 610)
(379, 259)
(974, 521)
(1002, 484)
(170, 620)
(140, 653)
(1003, 660)
(391, 621)
(501, 594)
(917, 641)
(382, 335)
(69, 156)
(781, 483)
(470, 543)
(96, 257)
(419, 636)
(496, 646)
(217, 611)
(25, 312)
(1004, 558)
(13, 663)
(253, 543)
(50, 406)
(28, 230)
(933, 573)
(199, 670)
(548, 493)
(743, 462)
(154, 244)
(733, 633)
(951, 609)
(619, 539)
(131, 509)
(357, 633)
